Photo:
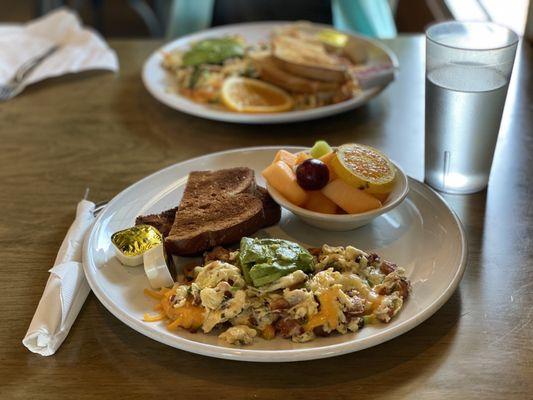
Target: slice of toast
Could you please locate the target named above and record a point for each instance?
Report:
(270, 71)
(222, 221)
(203, 186)
(271, 209)
(162, 222)
(217, 208)
(307, 59)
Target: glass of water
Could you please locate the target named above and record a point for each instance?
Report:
(468, 67)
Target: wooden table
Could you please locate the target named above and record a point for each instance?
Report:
(106, 132)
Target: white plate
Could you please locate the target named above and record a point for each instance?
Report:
(158, 81)
(422, 235)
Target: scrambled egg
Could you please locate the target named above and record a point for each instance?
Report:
(239, 334)
(286, 281)
(218, 271)
(227, 310)
(348, 289)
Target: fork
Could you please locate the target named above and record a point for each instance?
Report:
(97, 206)
(16, 84)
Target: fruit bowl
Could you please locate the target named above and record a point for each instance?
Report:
(346, 222)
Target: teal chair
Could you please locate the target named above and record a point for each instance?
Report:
(369, 17)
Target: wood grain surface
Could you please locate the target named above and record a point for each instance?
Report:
(104, 131)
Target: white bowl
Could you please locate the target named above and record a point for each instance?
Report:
(346, 222)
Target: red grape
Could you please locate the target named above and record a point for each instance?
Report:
(312, 174)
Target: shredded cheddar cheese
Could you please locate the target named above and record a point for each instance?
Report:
(188, 317)
(328, 313)
(153, 318)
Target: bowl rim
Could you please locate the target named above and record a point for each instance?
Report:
(282, 201)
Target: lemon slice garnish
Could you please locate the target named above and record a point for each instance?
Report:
(364, 167)
(333, 38)
(254, 96)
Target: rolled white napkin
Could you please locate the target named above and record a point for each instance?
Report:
(80, 48)
(65, 291)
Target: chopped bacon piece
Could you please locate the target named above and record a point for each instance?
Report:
(219, 253)
(289, 327)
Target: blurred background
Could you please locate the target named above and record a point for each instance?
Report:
(161, 18)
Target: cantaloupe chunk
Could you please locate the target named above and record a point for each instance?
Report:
(283, 179)
(381, 196)
(301, 157)
(317, 202)
(287, 157)
(326, 159)
(350, 199)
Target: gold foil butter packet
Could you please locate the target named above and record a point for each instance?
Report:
(131, 243)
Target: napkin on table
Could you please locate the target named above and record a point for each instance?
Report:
(65, 291)
(80, 48)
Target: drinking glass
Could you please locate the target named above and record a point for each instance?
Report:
(468, 67)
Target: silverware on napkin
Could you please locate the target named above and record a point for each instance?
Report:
(15, 85)
(26, 51)
(66, 289)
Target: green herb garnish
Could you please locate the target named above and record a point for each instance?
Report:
(213, 51)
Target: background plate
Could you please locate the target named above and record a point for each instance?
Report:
(422, 235)
(158, 82)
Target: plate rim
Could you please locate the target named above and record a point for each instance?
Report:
(242, 354)
(274, 118)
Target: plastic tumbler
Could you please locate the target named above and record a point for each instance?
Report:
(468, 68)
